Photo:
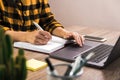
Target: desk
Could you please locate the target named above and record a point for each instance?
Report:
(112, 72)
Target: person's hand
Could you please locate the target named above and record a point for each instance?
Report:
(61, 32)
(74, 35)
(38, 37)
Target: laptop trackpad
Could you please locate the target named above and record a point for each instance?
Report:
(69, 52)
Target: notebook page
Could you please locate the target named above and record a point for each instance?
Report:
(53, 45)
(58, 40)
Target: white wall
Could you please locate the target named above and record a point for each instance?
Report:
(93, 13)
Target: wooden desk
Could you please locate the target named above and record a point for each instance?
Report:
(112, 72)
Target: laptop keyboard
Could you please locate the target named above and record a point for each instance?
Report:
(101, 52)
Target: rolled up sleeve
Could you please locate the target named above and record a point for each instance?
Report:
(47, 20)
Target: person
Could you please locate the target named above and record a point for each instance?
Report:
(17, 16)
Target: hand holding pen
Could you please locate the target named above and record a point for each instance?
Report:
(41, 36)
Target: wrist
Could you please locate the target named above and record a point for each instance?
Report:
(17, 35)
(61, 32)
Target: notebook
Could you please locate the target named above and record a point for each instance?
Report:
(54, 44)
(104, 53)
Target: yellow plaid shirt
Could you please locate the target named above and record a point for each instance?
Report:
(19, 16)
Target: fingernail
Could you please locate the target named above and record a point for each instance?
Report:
(80, 45)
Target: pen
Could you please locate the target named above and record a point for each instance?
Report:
(68, 70)
(49, 64)
(82, 63)
(52, 70)
(37, 25)
(75, 65)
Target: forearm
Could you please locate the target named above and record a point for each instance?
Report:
(61, 32)
(17, 35)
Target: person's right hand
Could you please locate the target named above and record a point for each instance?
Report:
(38, 37)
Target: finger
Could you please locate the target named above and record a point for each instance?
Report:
(45, 34)
(83, 39)
(78, 39)
(41, 37)
(40, 42)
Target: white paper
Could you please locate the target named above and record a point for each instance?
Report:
(53, 45)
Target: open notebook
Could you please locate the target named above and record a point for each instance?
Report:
(54, 44)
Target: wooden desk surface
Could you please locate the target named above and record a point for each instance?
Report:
(112, 72)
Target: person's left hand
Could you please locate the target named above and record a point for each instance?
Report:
(74, 35)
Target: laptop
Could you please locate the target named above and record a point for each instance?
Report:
(104, 53)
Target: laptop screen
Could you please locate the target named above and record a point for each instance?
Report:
(115, 53)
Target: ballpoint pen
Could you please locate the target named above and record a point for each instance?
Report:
(37, 25)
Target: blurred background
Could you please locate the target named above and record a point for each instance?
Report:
(90, 13)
